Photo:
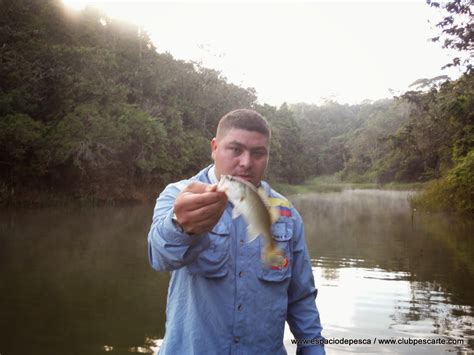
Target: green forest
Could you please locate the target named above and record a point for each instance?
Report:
(90, 111)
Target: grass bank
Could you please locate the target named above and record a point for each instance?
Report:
(453, 192)
(332, 183)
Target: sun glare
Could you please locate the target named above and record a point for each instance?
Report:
(343, 50)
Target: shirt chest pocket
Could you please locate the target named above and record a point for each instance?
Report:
(280, 268)
(212, 262)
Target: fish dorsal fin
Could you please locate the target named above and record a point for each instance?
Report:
(274, 212)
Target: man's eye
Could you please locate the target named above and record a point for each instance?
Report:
(259, 154)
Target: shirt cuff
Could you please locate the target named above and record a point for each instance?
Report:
(175, 236)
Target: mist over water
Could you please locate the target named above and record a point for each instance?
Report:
(77, 281)
(386, 271)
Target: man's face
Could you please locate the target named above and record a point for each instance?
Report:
(241, 153)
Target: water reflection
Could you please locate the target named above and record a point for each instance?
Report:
(75, 280)
(78, 280)
(383, 271)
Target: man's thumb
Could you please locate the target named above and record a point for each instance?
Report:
(211, 188)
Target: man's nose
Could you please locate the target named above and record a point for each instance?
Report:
(245, 159)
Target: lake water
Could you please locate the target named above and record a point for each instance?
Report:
(77, 281)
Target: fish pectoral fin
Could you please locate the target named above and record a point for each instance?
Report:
(252, 232)
(272, 255)
(235, 213)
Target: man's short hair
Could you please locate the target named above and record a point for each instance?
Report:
(247, 119)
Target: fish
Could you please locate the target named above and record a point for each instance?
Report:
(252, 204)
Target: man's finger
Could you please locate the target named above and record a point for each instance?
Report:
(211, 188)
(209, 212)
(196, 187)
(204, 226)
(193, 201)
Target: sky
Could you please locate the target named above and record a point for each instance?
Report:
(313, 51)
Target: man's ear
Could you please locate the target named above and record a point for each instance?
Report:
(213, 147)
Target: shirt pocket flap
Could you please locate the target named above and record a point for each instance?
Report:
(221, 229)
(282, 231)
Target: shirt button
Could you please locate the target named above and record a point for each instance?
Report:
(239, 307)
(241, 274)
(241, 242)
(236, 340)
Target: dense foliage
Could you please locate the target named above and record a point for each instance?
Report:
(417, 137)
(90, 110)
(453, 192)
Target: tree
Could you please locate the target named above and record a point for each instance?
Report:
(89, 109)
(457, 29)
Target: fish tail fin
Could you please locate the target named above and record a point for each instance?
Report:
(271, 250)
(272, 255)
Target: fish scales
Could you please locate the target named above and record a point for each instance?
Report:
(251, 203)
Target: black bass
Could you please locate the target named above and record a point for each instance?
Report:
(252, 204)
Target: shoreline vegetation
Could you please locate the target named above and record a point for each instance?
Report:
(431, 196)
(440, 195)
(91, 113)
(327, 184)
(321, 184)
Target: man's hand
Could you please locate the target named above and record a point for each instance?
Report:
(198, 207)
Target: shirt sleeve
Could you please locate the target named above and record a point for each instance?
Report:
(303, 315)
(169, 248)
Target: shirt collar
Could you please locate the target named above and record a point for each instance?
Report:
(211, 175)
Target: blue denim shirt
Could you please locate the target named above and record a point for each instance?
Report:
(222, 299)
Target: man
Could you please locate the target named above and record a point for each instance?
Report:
(222, 298)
